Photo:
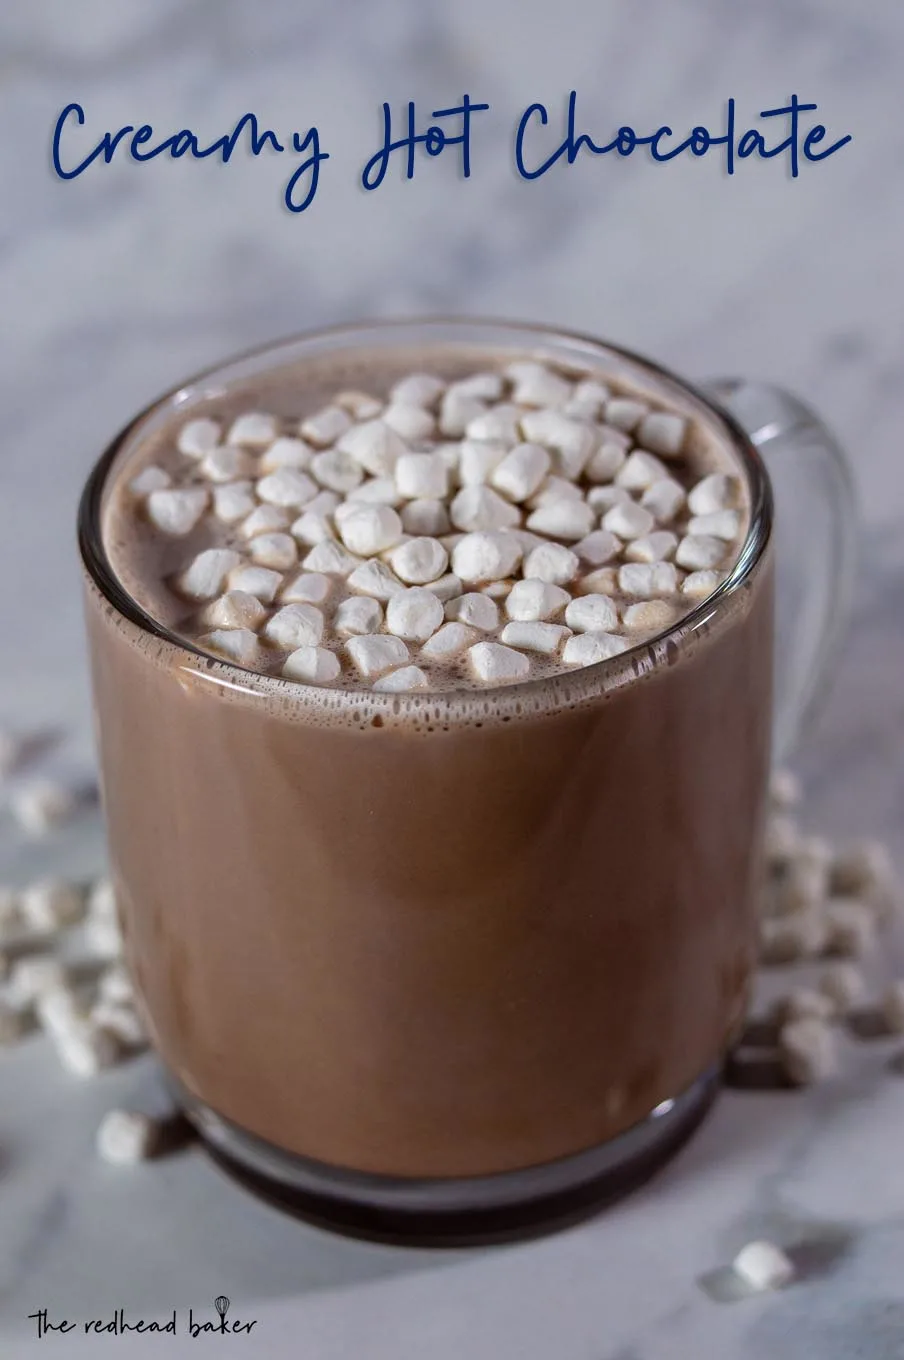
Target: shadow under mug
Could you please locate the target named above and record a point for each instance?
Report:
(524, 1022)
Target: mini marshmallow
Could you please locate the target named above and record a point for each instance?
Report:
(414, 614)
(59, 1011)
(651, 614)
(527, 540)
(552, 490)
(369, 529)
(36, 976)
(586, 649)
(176, 511)
(599, 547)
(655, 547)
(325, 503)
(663, 432)
(402, 680)
(102, 899)
(700, 552)
(312, 529)
(625, 413)
(500, 422)
(590, 396)
(265, 519)
(295, 625)
(485, 557)
(763, 1266)
(87, 1049)
(417, 389)
(567, 519)
(225, 463)
(286, 452)
(535, 637)
(532, 601)
(122, 1021)
(603, 498)
(801, 936)
(647, 579)
(44, 804)
(572, 440)
(475, 610)
(865, 870)
(410, 422)
(330, 558)
(337, 470)
(479, 459)
(892, 1007)
(628, 520)
(261, 582)
(288, 486)
(497, 590)
(699, 584)
(803, 1004)
(254, 429)
(204, 578)
(150, 479)
(720, 523)
(494, 662)
(277, 551)
(421, 475)
(233, 501)
(717, 491)
(238, 644)
(51, 904)
(663, 499)
(640, 471)
(360, 614)
(458, 410)
(373, 445)
(309, 587)
(360, 405)
(376, 579)
(552, 563)
(807, 1050)
(484, 386)
(478, 508)
(126, 1137)
(851, 929)
(608, 458)
(425, 517)
(314, 665)
(592, 614)
(536, 385)
(374, 653)
(419, 560)
(448, 587)
(115, 986)
(198, 437)
(449, 641)
(325, 426)
(521, 472)
(805, 883)
(375, 491)
(784, 789)
(781, 840)
(843, 984)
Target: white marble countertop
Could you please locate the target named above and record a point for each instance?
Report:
(118, 283)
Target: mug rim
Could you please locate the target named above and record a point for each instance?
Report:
(593, 679)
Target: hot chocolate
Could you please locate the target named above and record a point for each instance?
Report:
(469, 928)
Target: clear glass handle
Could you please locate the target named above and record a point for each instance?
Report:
(815, 538)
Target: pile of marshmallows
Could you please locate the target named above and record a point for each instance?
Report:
(823, 905)
(491, 520)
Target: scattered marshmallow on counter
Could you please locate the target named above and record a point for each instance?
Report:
(763, 1266)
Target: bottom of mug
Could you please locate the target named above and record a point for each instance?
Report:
(455, 1211)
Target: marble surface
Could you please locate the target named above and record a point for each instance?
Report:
(119, 283)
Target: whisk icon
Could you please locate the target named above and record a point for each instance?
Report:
(221, 1303)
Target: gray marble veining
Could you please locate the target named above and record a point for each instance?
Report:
(117, 284)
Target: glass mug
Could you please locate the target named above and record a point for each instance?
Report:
(448, 966)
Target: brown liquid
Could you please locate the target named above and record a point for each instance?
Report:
(439, 936)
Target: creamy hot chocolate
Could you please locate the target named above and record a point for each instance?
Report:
(476, 926)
